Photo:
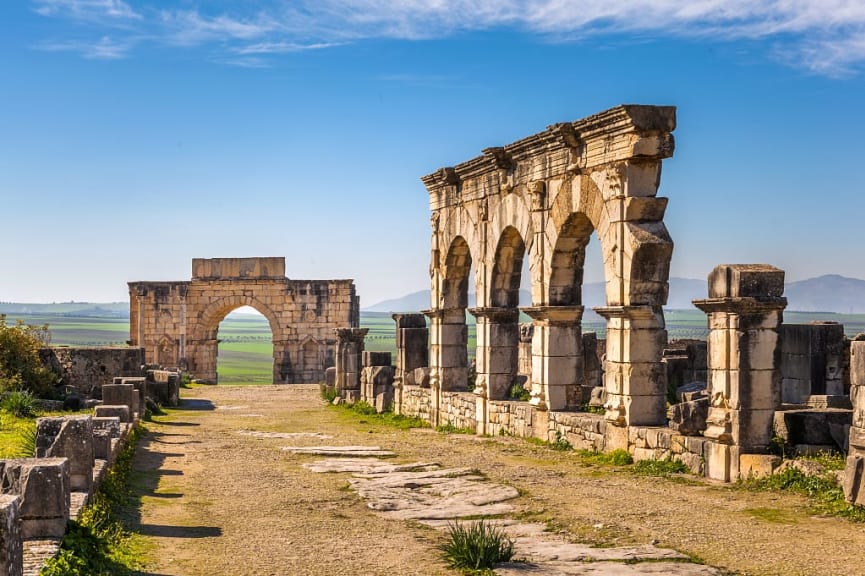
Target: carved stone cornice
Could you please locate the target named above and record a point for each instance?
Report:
(496, 314)
(555, 315)
(350, 334)
(742, 305)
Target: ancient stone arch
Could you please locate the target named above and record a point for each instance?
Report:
(177, 322)
(541, 198)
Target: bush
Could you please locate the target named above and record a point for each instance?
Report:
(20, 403)
(479, 546)
(21, 368)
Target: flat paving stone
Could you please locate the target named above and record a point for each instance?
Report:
(604, 569)
(348, 451)
(257, 434)
(366, 466)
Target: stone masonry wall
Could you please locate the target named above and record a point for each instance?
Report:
(88, 369)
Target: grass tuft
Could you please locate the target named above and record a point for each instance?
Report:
(20, 403)
(664, 467)
(613, 458)
(451, 429)
(476, 547)
(387, 418)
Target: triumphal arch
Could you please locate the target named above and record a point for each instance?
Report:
(541, 198)
(177, 322)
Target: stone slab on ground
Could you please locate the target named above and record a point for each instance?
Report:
(366, 466)
(347, 451)
(258, 434)
(604, 569)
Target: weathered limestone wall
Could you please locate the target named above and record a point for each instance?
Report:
(812, 361)
(177, 322)
(87, 369)
(416, 402)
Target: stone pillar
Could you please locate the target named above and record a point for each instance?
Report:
(498, 337)
(745, 309)
(11, 549)
(448, 353)
(854, 474)
(120, 395)
(634, 377)
(557, 356)
(412, 350)
(68, 437)
(348, 361)
(43, 487)
(524, 362)
(283, 369)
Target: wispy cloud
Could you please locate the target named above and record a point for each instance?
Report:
(103, 49)
(823, 36)
(95, 10)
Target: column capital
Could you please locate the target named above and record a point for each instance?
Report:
(350, 334)
(742, 305)
(639, 312)
(496, 313)
(555, 315)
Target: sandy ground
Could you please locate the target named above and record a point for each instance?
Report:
(216, 501)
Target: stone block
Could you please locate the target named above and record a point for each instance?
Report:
(43, 487)
(330, 377)
(598, 397)
(746, 281)
(68, 437)
(11, 549)
(689, 418)
(420, 377)
(722, 461)
(102, 445)
(121, 412)
(120, 394)
(854, 479)
(376, 358)
(757, 465)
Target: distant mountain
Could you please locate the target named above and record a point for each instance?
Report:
(80, 309)
(830, 293)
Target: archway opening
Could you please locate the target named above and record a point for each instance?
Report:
(455, 371)
(245, 349)
(577, 279)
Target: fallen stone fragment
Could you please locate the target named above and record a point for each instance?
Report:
(348, 451)
(258, 434)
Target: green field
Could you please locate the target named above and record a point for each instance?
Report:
(246, 350)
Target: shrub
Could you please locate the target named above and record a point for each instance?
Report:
(561, 443)
(20, 403)
(518, 391)
(21, 368)
(479, 546)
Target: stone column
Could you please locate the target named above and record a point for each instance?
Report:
(634, 377)
(283, 369)
(11, 549)
(348, 361)
(412, 351)
(556, 356)
(498, 337)
(745, 309)
(448, 352)
(854, 474)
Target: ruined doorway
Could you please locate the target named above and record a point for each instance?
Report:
(245, 348)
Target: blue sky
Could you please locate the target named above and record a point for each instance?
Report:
(136, 135)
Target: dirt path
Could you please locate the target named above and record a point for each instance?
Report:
(219, 502)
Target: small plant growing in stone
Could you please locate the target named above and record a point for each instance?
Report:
(561, 443)
(518, 391)
(663, 467)
(476, 546)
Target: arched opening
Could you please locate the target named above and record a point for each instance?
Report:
(450, 330)
(245, 351)
(498, 324)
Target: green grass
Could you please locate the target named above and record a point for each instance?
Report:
(368, 415)
(612, 458)
(823, 492)
(476, 547)
(16, 435)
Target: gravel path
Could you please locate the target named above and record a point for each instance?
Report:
(221, 496)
